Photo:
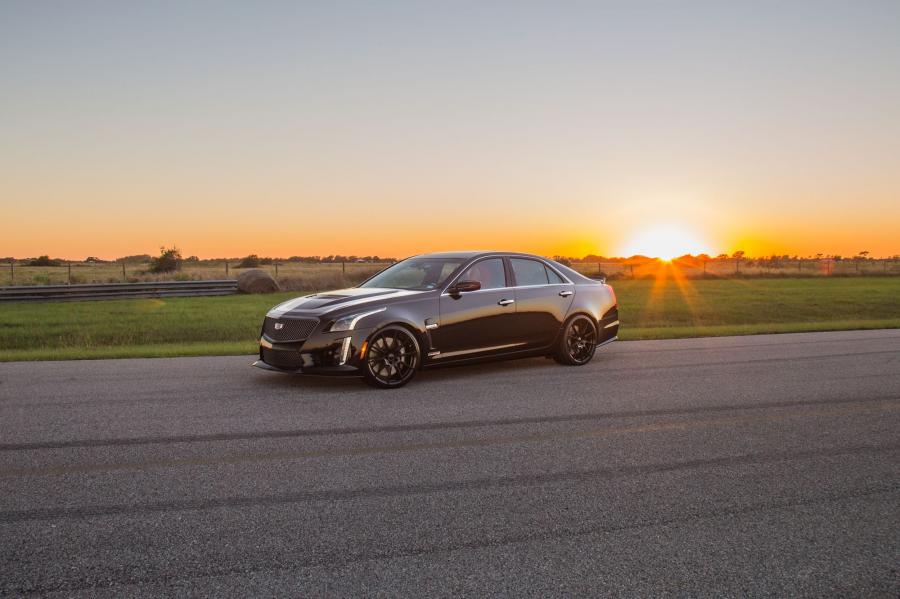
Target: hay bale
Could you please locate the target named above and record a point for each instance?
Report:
(256, 280)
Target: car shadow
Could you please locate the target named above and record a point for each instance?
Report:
(437, 375)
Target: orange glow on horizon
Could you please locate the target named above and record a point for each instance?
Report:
(277, 230)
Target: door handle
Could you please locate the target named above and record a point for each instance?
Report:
(565, 293)
(506, 302)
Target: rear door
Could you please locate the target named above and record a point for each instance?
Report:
(543, 298)
(477, 322)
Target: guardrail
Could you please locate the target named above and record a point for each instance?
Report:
(117, 290)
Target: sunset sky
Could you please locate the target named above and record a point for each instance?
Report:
(397, 128)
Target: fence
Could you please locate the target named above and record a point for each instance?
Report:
(331, 275)
(730, 267)
(290, 274)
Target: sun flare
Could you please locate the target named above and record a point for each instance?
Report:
(665, 241)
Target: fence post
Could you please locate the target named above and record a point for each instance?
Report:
(226, 269)
(800, 265)
(69, 266)
(632, 271)
(737, 266)
(276, 270)
(12, 274)
(124, 276)
(343, 267)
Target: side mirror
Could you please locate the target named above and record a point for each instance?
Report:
(463, 287)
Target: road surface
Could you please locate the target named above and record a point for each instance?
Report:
(731, 466)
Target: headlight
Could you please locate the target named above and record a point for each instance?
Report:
(348, 323)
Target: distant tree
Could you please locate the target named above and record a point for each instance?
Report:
(563, 260)
(94, 260)
(168, 260)
(136, 259)
(251, 261)
(45, 261)
(864, 254)
(192, 259)
(738, 255)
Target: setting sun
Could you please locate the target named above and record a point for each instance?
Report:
(665, 241)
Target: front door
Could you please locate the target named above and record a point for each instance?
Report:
(477, 323)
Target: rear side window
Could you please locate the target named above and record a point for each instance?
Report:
(555, 279)
(529, 272)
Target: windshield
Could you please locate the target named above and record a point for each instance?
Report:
(419, 274)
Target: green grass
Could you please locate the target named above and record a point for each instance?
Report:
(648, 309)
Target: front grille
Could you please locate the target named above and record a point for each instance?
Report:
(294, 329)
(288, 360)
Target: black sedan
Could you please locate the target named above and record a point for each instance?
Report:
(438, 309)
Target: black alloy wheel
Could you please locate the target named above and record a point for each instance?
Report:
(578, 342)
(392, 357)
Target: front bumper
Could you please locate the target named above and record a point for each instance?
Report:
(324, 353)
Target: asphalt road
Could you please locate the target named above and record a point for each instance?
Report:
(766, 465)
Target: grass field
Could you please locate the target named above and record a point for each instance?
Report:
(659, 309)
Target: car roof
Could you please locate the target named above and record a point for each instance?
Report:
(467, 254)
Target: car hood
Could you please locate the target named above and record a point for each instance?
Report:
(331, 301)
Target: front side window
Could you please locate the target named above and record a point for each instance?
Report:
(488, 272)
(529, 272)
(419, 274)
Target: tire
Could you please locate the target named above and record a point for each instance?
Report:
(578, 341)
(392, 357)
